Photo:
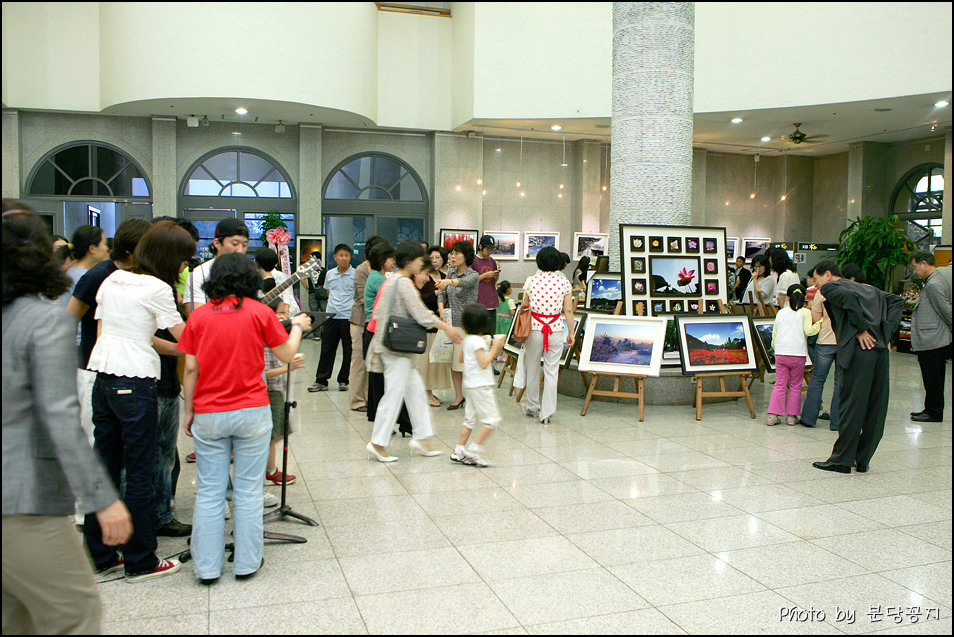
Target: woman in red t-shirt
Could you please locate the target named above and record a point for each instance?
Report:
(227, 410)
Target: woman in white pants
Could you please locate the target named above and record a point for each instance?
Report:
(550, 295)
(402, 381)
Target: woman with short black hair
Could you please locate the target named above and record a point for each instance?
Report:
(550, 296)
(459, 290)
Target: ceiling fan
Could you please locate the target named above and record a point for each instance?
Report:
(798, 137)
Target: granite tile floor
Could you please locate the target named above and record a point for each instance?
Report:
(597, 524)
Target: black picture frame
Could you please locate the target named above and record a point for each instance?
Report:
(710, 267)
(637, 244)
(674, 245)
(692, 245)
(637, 265)
(718, 343)
(677, 307)
(657, 244)
(659, 307)
(692, 305)
(712, 306)
(639, 287)
(710, 287)
(710, 245)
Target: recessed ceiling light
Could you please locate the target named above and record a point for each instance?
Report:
(766, 139)
(556, 127)
(498, 149)
(235, 132)
(942, 104)
(883, 110)
(241, 111)
(736, 120)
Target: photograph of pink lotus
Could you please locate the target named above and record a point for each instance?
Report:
(674, 276)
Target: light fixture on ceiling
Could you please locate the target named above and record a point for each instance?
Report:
(556, 128)
(766, 139)
(942, 104)
(241, 111)
(235, 132)
(784, 197)
(564, 164)
(736, 120)
(192, 121)
(205, 120)
(755, 177)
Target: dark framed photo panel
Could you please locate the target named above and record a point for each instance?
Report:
(764, 326)
(306, 244)
(674, 262)
(718, 343)
(579, 320)
(603, 291)
(450, 236)
(511, 345)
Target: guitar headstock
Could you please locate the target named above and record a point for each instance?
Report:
(309, 266)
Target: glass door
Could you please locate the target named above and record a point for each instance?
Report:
(355, 230)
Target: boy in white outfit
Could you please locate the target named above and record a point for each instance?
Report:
(479, 403)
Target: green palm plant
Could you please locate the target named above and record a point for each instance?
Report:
(878, 245)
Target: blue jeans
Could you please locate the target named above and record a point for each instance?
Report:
(822, 362)
(166, 457)
(246, 432)
(125, 423)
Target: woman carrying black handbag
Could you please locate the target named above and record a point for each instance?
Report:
(400, 303)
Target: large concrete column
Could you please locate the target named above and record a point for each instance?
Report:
(947, 204)
(651, 168)
(164, 184)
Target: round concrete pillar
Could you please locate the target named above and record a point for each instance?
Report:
(651, 169)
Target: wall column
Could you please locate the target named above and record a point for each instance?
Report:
(11, 154)
(651, 169)
(946, 234)
(164, 187)
(310, 179)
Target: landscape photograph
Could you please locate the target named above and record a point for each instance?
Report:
(622, 344)
(538, 241)
(506, 245)
(605, 293)
(722, 343)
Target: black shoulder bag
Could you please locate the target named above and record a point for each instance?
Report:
(403, 334)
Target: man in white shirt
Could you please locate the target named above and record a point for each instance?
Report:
(231, 235)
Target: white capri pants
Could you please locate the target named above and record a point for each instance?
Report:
(551, 366)
(402, 383)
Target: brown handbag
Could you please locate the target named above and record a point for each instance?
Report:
(521, 322)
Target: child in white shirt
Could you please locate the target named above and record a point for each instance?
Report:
(479, 404)
(792, 325)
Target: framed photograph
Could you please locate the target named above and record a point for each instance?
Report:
(677, 307)
(730, 246)
(659, 307)
(623, 344)
(637, 265)
(671, 345)
(692, 245)
(602, 263)
(507, 245)
(674, 244)
(93, 216)
(639, 287)
(657, 244)
(536, 241)
(578, 321)
(450, 236)
(710, 245)
(692, 305)
(512, 346)
(718, 343)
(712, 286)
(753, 247)
(637, 244)
(674, 276)
(764, 326)
(710, 267)
(307, 244)
(590, 245)
(640, 308)
(603, 291)
(712, 307)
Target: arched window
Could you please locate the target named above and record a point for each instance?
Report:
(918, 197)
(374, 177)
(235, 173)
(87, 169)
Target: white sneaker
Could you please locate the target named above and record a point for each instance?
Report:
(771, 420)
(271, 500)
(458, 455)
(791, 420)
(472, 457)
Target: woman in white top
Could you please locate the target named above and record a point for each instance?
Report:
(761, 277)
(131, 306)
(785, 270)
(551, 310)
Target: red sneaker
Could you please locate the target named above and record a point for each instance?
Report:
(165, 567)
(276, 478)
(103, 573)
(190, 457)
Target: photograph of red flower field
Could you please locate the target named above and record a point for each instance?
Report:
(716, 343)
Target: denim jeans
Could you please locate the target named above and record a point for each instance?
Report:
(125, 421)
(166, 457)
(246, 432)
(823, 361)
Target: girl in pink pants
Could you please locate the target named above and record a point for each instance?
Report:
(793, 324)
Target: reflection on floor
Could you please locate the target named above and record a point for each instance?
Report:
(595, 524)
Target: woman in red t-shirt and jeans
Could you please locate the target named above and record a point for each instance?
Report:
(227, 410)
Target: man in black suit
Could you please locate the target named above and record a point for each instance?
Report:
(864, 319)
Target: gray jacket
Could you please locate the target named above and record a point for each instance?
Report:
(47, 460)
(931, 319)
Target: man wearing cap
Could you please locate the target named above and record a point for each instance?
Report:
(486, 268)
(231, 235)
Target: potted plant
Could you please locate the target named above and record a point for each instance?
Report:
(271, 219)
(877, 245)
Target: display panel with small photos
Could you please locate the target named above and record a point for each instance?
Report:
(662, 262)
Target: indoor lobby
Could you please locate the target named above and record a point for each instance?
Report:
(406, 121)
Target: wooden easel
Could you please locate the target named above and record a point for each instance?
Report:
(741, 392)
(510, 367)
(640, 394)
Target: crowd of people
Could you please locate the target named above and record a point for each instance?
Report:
(410, 320)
